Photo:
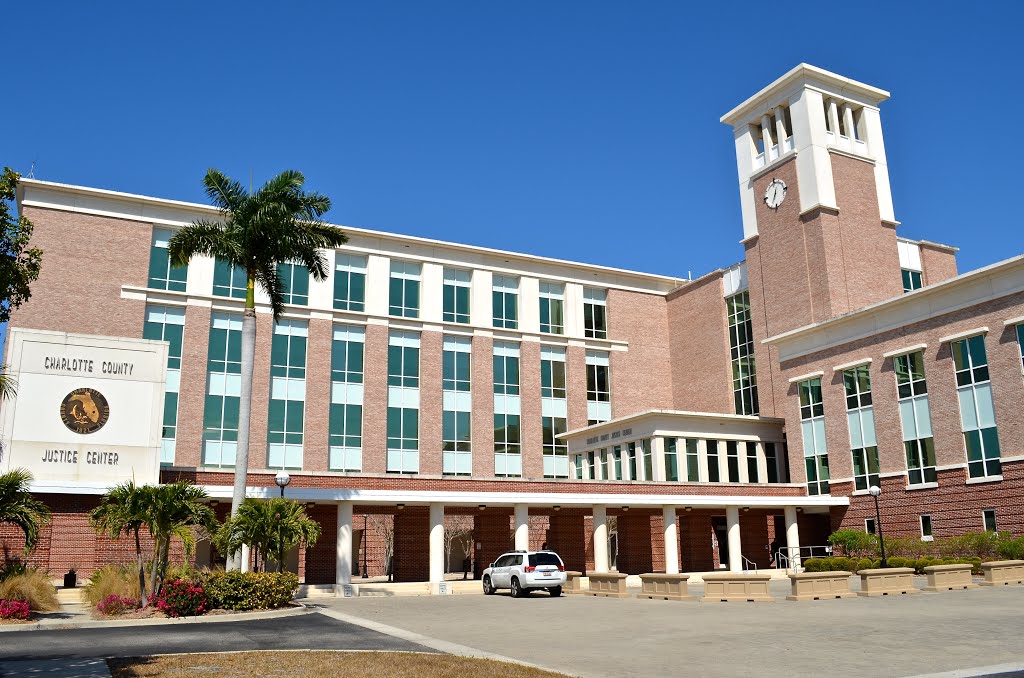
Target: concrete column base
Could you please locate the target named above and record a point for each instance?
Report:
(943, 578)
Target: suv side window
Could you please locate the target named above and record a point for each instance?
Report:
(501, 562)
(517, 560)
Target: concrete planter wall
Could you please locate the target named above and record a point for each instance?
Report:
(887, 581)
(573, 582)
(1003, 572)
(608, 584)
(665, 586)
(820, 585)
(948, 578)
(729, 587)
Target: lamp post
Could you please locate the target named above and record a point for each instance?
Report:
(282, 479)
(874, 490)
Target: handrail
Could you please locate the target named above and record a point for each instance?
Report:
(748, 564)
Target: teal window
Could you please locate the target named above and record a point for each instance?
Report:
(578, 461)
(648, 456)
(977, 410)
(506, 368)
(507, 409)
(404, 359)
(732, 458)
(599, 396)
(631, 461)
(294, 283)
(167, 323)
(404, 290)
(752, 474)
(508, 462)
(812, 429)
(604, 464)
(505, 302)
(552, 302)
(456, 455)
(771, 459)
(911, 280)
(714, 475)
(671, 460)
(595, 316)
(617, 462)
(456, 424)
(223, 390)
(741, 351)
(228, 280)
(552, 372)
(860, 417)
(692, 461)
(162, 275)
(556, 450)
(455, 364)
(403, 440)
(1020, 341)
(915, 418)
(455, 296)
(403, 445)
(345, 438)
(349, 282)
(285, 418)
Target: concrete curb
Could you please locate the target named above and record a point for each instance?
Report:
(98, 624)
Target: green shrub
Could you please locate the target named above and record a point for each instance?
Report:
(33, 587)
(900, 562)
(813, 565)
(1010, 549)
(842, 564)
(120, 580)
(249, 590)
(866, 564)
(114, 605)
(11, 568)
(970, 545)
(854, 543)
(906, 547)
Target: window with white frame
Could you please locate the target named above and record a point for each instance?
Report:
(752, 473)
(162, 274)
(599, 406)
(617, 463)
(812, 430)
(714, 473)
(167, 323)
(505, 302)
(741, 351)
(345, 439)
(294, 283)
(456, 416)
(223, 390)
(860, 417)
(508, 461)
(404, 290)
(988, 520)
(869, 525)
(554, 411)
(692, 461)
(926, 527)
(911, 280)
(349, 282)
(595, 313)
(552, 302)
(1020, 342)
(671, 460)
(287, 394)
(555, 449)
(229, 280)
(455, 296)
(552, 372)
(631, 461)
(732, 459)
(915, 418)
(403, 423)
(647, 453)
(977, 410)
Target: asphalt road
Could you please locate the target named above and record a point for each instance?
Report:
(310, 631)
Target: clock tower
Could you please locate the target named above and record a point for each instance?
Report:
(818, 222)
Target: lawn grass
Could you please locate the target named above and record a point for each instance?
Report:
(325, 664)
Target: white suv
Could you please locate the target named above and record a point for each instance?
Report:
(523, 571)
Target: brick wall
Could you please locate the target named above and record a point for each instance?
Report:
(640, 377)
(701, 370)
(412, 541)
(938, 262)
(431, 356)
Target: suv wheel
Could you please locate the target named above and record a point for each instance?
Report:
(517, 590)
(488, 589)
(555, 591)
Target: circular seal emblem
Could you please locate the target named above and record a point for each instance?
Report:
(84, 410)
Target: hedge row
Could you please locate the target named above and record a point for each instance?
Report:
(839, 563)
(248, 590)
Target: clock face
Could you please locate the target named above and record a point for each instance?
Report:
(775, 193)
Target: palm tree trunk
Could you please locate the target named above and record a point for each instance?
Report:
(142, 570)
(156, 566)
(244, 407)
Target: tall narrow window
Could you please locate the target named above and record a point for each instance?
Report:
(349, 282)
(555, 448)
(228, 280)
(911, 280)
(404, 291)
(345, 440)
(812, 429)
(617, 462)
(552, 300)
(977, 412)
(294, 283)
(713, 469)
(595, 317)
(553, 409)
(771, 460)
(162, 275)
(692, 461)
(860, 416)
(167, 323)
(403, 425)
(599, 406)
(988, 519)
(741, 351)
(287, 394)
(552, 372)
(223, 390)
(456, 296)
(634, 472)
(456, 417)
(752, 475)
(648, 457)
(505, 302)
(915, 418)
(732, 457)
(671, 460)
(926, 528)
(508, 460)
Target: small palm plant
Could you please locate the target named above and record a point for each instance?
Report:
(123, 511)
(19, 508)
(174, 510)
(256, 232)
(271, 528)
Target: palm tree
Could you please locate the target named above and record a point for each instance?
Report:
(271, 528)
(123, 511)
(257, 231)
(8, 384)
(19, 508)
(173, 510)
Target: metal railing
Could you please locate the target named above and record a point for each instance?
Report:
(793, 558)
(748, 564)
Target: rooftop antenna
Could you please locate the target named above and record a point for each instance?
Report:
(32, 170)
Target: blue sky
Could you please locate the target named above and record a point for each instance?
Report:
(581, 130)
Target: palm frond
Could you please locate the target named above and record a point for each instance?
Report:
(266, 276)
(8, 384)
(20, 508)
(226, 193)
(201, 237)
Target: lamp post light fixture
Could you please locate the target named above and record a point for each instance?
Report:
(282, 479)
(874, 491)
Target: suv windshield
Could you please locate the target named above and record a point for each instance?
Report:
(545, 559)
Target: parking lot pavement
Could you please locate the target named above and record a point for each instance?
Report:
(601, 637)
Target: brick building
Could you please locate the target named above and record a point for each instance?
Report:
(628, 420)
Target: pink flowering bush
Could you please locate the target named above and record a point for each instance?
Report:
(180, 598)
(115, 604)
(13, 609)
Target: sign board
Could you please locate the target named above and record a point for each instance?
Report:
(88, 409)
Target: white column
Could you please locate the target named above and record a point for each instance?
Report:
(436, 543)
(741, 459)
(792, 537)
(702, 461)
(658, 450)
(522, 515)
(600, 539)
(245, 558)
(833, 118)
(671, 540)
(762, 463)
(848, 121)
(343, 557)
(732, 520)
(766, 136)
(780, 126)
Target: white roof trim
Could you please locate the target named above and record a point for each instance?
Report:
(904, 351)
(963, 335)
(1014, 321)
(855, 363)
(809, 375)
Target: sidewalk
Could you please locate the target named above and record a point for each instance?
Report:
(65, 668)
(80, 617)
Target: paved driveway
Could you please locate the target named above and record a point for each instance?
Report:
(581, 635)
